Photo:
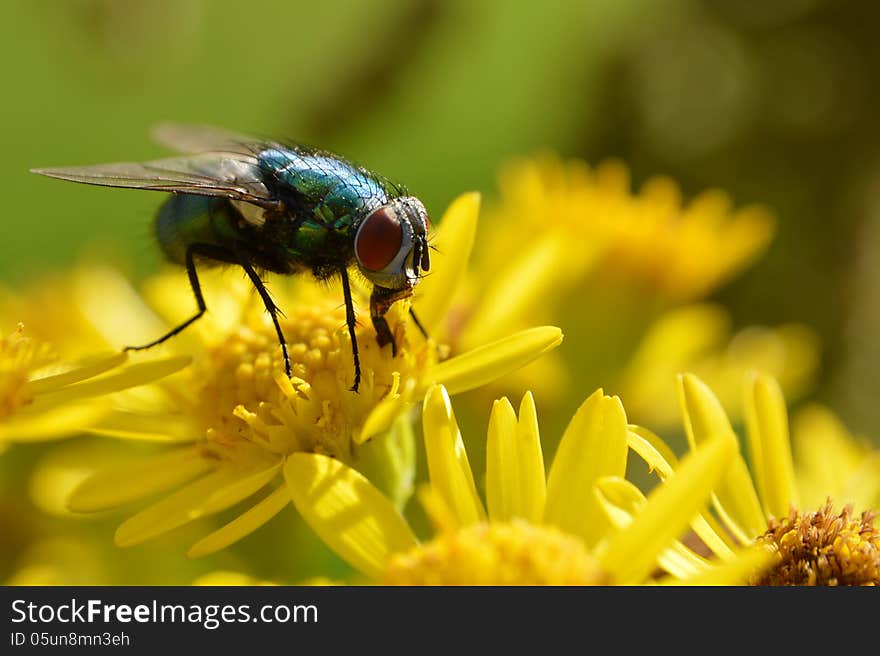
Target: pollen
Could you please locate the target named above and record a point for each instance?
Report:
(249, 408)
(824, 548)
(514, 553)
(20, 357)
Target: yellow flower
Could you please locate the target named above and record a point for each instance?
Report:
(533, 530)
(831, 462)
(698, 338)
(825, 546)
(67, 309)
(43, 397)
(585, 225)
(619, 270)
(237, 417)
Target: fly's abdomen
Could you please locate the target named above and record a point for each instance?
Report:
(186, 219)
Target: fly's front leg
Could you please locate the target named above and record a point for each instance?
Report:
(380, 301)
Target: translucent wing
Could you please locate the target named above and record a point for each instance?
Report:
(232, 175)
(204, 138)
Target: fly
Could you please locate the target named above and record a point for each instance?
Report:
(280, 207)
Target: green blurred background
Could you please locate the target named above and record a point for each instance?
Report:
(775, 101)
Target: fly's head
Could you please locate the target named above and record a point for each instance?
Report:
(391, 244)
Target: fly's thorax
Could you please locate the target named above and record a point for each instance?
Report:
(318, 183)
(391, 243)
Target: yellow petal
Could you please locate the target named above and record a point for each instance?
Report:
(210, 494)
(502, 493)
(825, 450)
(350, 515)
(630, 555)
(654, 451)
(682, 562)
(500, 460)
(389, 463)
(735, 497)
(243, 525)
(148, 427)
(833, 462)
(100, 291)
(448, 466)
(94, 367)
(621, 501)
(384, 413)
(53, 423)
(740, 570)
(515, 482)
(802, 347)
(660, 458)
(672, 343)
(229, 297)
(510, 297)
(120, 485)
(453, 243)
(593, 446)
(492, 361)
(130, 376)
(534, 481)
(248, 482)
(770, 445)
(439, 514)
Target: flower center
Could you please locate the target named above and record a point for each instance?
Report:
(824, 548)
(19, 358)
(515, 553)
(248, 406)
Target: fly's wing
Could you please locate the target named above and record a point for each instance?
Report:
(316, 171)
(234, 176)
(204, 138)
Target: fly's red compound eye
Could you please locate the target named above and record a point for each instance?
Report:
(379, 239)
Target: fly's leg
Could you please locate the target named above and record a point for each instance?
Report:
(220, 254)
(418, 323)
(380, 301)
(350, 322)
(271, 308)
(203, 250)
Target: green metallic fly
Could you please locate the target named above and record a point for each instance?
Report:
(270, 206)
